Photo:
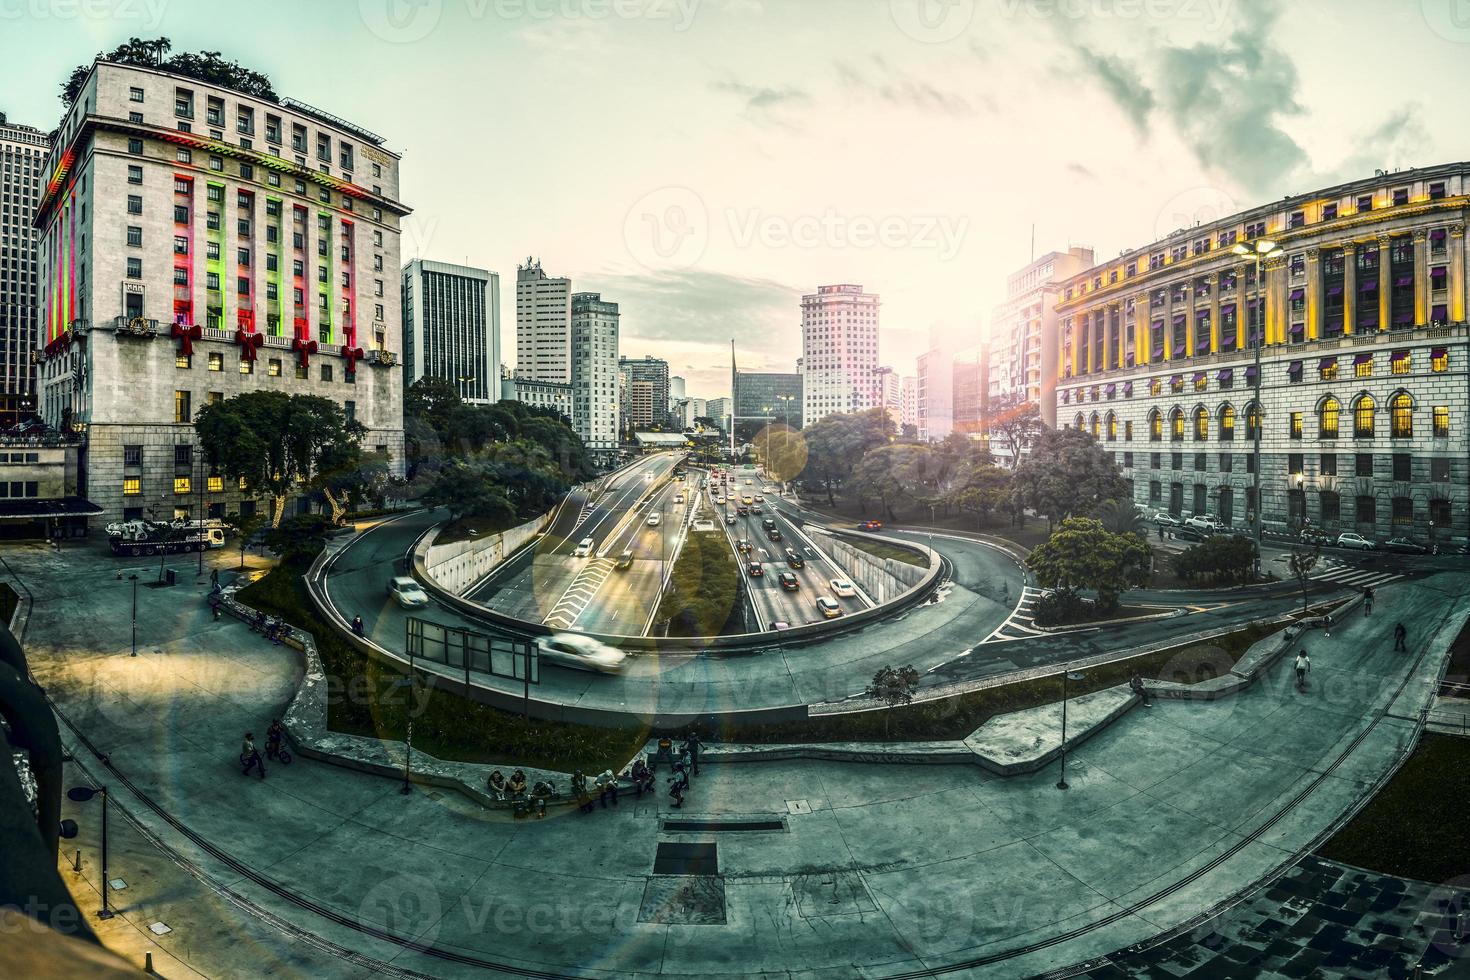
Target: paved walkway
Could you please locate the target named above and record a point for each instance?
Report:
(882, 870)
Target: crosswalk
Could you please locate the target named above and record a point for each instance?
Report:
(587, 510)
(1021, 623)
(1341, 573)
(579, 594)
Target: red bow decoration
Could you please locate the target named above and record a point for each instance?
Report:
(304, 350)
(353, 355)
(249, 343)
(187, 336)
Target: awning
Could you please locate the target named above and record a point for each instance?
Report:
(1439, 314)
(1158, 324)
(1437, 352)
(1202, 344)
(1404, 281)
(37, 509)
(1295, 367)
(1362, 359)
(1399, 355)
(1066, 397)
(1250, 373)
(1179, 346)
(1404, 318)
(1111, 390)
(1298, 331)
(1335, 291)
(1227, 309)
(1128, 389)
(1199, 376)
(1368, 286)
(1178, 319)
(1158, 350)
(1327, 362)
(1176, 381)
(1298, 293)
(1226, 375)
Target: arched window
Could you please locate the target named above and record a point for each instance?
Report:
(1155, 426)
(1112, 427)
(1227, 424)
(1327, 417)
(1201, 424)
(1176, 425)
(1096, 426)
(1401, 416)
(1081, 423)
(1363, 410)
(1252, 420)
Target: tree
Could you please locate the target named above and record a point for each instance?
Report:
(837, 443)
(1067, 473)
(469, 490)
(298, 540)
(893, 688)
(244, 525)
(1081, 554)
(1017, 426)
(1301, 563)
(890, 472)
(981, 491)
(1223, 557)
(1121, 517)
(206, 66)
(276, 442)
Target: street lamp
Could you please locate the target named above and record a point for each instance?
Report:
(204, 477)
(407, 787)
(1067, 675)
(133, 577)
(81, 794)
(1258, 251)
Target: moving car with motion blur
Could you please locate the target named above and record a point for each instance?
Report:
(582, 653)
(1407, 546)
(407, 592)
(842, 588)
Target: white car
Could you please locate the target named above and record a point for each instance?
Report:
(842, 588)
(654, 520)
(678, 498)
(409, 593)
(1349, 539)
(1205, 522)
(584, 548)
(582, 652)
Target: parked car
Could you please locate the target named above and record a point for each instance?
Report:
(1407, 546)
(1166, 519)
(654, 520)
(584, 548)
(842, 588)
(794, 560)
(870, 526)
(1313, 536)
(1186, 532)
(625, 560)
(773, 534)
(828, 607)
(1350, 539)
(1205, 523)
(582, 652)
(754, 569)
(788, 581)
(407, 592)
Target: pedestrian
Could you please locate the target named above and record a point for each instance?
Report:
(665, 753)
(496, 783)
(607, 786)
(679, 782)
(250, 756)
(1400, 635)
(357, 626)
(1367, 602)
(540, 793)
(691, 751)
(1161, 532)
(214, 608)
(1303, 668)
(257, 625)
(1135, 683)
(579, 791)
(517, 785)
(642, 778)
(214, 580)
(273, 736)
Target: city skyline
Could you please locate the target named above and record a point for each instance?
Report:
(767, 234)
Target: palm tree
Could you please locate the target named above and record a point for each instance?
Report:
(1121, 517)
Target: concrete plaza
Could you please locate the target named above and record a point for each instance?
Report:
(860, 869)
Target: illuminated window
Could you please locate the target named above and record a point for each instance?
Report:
(1252, 420)
(183, 360)
(242, 483)
(1176, 426)
(132, 486)
(1363, 410)
(1441, 421)
(1363, 368)
(247, 366)
(1439, 360)
(181, 484)
(1201, 382)
(1112, 427)
(1227, 424)
(1327, 371)
(1401, 416)
(182, 409)
(1128, 431)
(1096, 426)
(216, 362)
(1201, 424)
(1327, 418)
(274, 367)
(1296, 425)
(1155, 386)
(1400, 362)
(216, 484)
(1155, 425)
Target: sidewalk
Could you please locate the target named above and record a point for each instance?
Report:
(878, 869)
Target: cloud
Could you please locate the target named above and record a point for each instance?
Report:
(876, 78)
(1078, 170)
(1398, 141)
(762, 98)
(1121, 83)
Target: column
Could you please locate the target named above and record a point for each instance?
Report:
(1314, 294)
(1349, 285)
(1107, 336)
(1189, 303)
(1457, 274)
(1142, 324)
(1214, 280)
(1121, 360)
(1277, 303)
(1421, 277)
(1385, 280)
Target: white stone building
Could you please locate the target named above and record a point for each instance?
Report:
(199, 243)
(839, 340)
(539, 394)
(24, 152)
(543, 325)
(594, 374)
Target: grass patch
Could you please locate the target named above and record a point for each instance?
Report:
(1457, 671)
(959, 716)
(882, 549)
(704, 597)
(1415, 827)
(450, 727)
(1029, 535)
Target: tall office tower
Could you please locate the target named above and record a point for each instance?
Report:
(23, 154)
(594, 372)
(718, 410)
(890, 393)
(677, 393)
(451, 327)
(198, 242)
(968, 393)
(543, 325)
(647, 389)
(910, 399)
(839, 337)
(935, 393)
(767, 397)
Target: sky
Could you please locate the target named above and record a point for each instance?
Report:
(704, 163)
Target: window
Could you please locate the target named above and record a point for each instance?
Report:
(135, 174)
(1401, 196)
(1441, 421)
(1176, 426)
(1127, 427)
(1439, 469)
(181, 275)
(183, 454)
(132, 455)
(1296, 425)
(1363, 465)
(1327, 464)
(1155, 460)
(273, 368)
(135, 268)
(181, 245)
(1436, 191)
(135, 147)
(1155, 491)
(1363, 366)
(1176, 461)
(132, 486)
(1327, 370)
(1327, 418)
(1201, 462)
(1401, 416)
(1365, 203)
(135, 204)
(1295, 464)
(182, 414)
(1201, 424)
(182, 484)
(326, 372)
(1439, 360)
(1227, 463)
(1252, 420)
(1403, 467)
(1329, 211)
(135, 235)
(301, 372)
(247, 366)
(216, 484)
(216, 362)
(183, 361)
(1363, 410)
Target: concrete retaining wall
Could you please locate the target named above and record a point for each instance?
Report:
(881, 578)
(460, 565)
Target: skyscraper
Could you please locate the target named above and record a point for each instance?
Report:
(647, 391)
(910, 398)
(763, 398)
(543, 325)
(839, 337)
(594, 371)
(451, 327)
(23, 154)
